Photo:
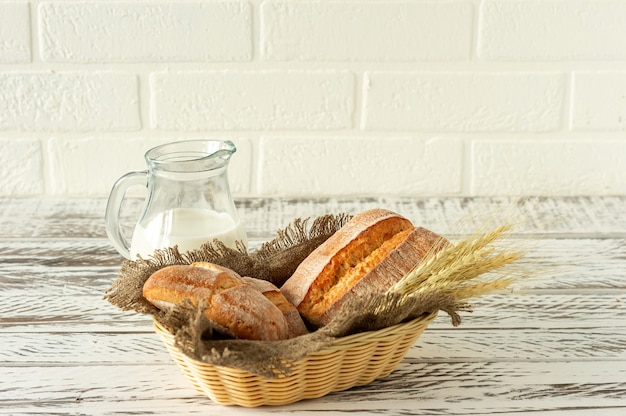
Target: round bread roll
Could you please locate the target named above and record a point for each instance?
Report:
(236, 309)
(369, 254)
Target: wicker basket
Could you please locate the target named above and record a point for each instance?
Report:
(350, 361)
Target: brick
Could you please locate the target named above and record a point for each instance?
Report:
(140, 31)
(548, 167)
(69, 101)
(21, 172)
(464, 102)
(598, 101)
(14, 32)
(552, 30)
(91, 165)
(359, 166)
(232, 100)
(357, 31)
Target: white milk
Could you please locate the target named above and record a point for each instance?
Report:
(188, 228)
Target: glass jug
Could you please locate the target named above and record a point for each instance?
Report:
(188, 202)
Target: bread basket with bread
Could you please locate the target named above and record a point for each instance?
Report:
(324, 307)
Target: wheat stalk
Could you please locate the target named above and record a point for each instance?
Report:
(469, 268)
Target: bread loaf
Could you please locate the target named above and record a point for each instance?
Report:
(374, 250)
(273, 294)
(235, 308)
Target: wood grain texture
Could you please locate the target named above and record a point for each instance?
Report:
(437, 344)
(553, 345)
(480, 386)
(80, 217)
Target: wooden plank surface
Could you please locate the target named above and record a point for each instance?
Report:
(554, 345)
(80, 217)
(462, 386)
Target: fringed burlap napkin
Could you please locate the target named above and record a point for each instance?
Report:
(275, 261)
(443, 281)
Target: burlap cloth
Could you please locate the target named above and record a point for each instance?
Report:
(275, 261)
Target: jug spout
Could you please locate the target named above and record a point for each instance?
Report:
(191, 156)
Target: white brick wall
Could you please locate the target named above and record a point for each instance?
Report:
(552, 30)
(322, 97)
(252, 100)
(464, 102)
(357, 165)
(14, 32)
(598, 101)
(145, 31)
(21, 164)
(366, 31)
(554, 167)
(69, 101)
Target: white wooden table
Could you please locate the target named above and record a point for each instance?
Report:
(554, 346)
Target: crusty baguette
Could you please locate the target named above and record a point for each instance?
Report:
(294, 320)
(247, 314)
(374, 250)
(237, 309)
(272, 293)
(171, 285)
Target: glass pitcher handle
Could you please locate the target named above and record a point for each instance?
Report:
(114, 206)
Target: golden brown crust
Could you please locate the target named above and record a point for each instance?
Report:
(361, 235)
(248, 314)
(368, 255)
(173, 284)
(384, 274)
(237, 308)
(273, 294)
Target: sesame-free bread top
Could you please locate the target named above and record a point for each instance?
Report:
(236, 309)
(273, 294)
(171, 285)
(295, 323)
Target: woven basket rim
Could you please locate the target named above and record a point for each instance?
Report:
(379, 334)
